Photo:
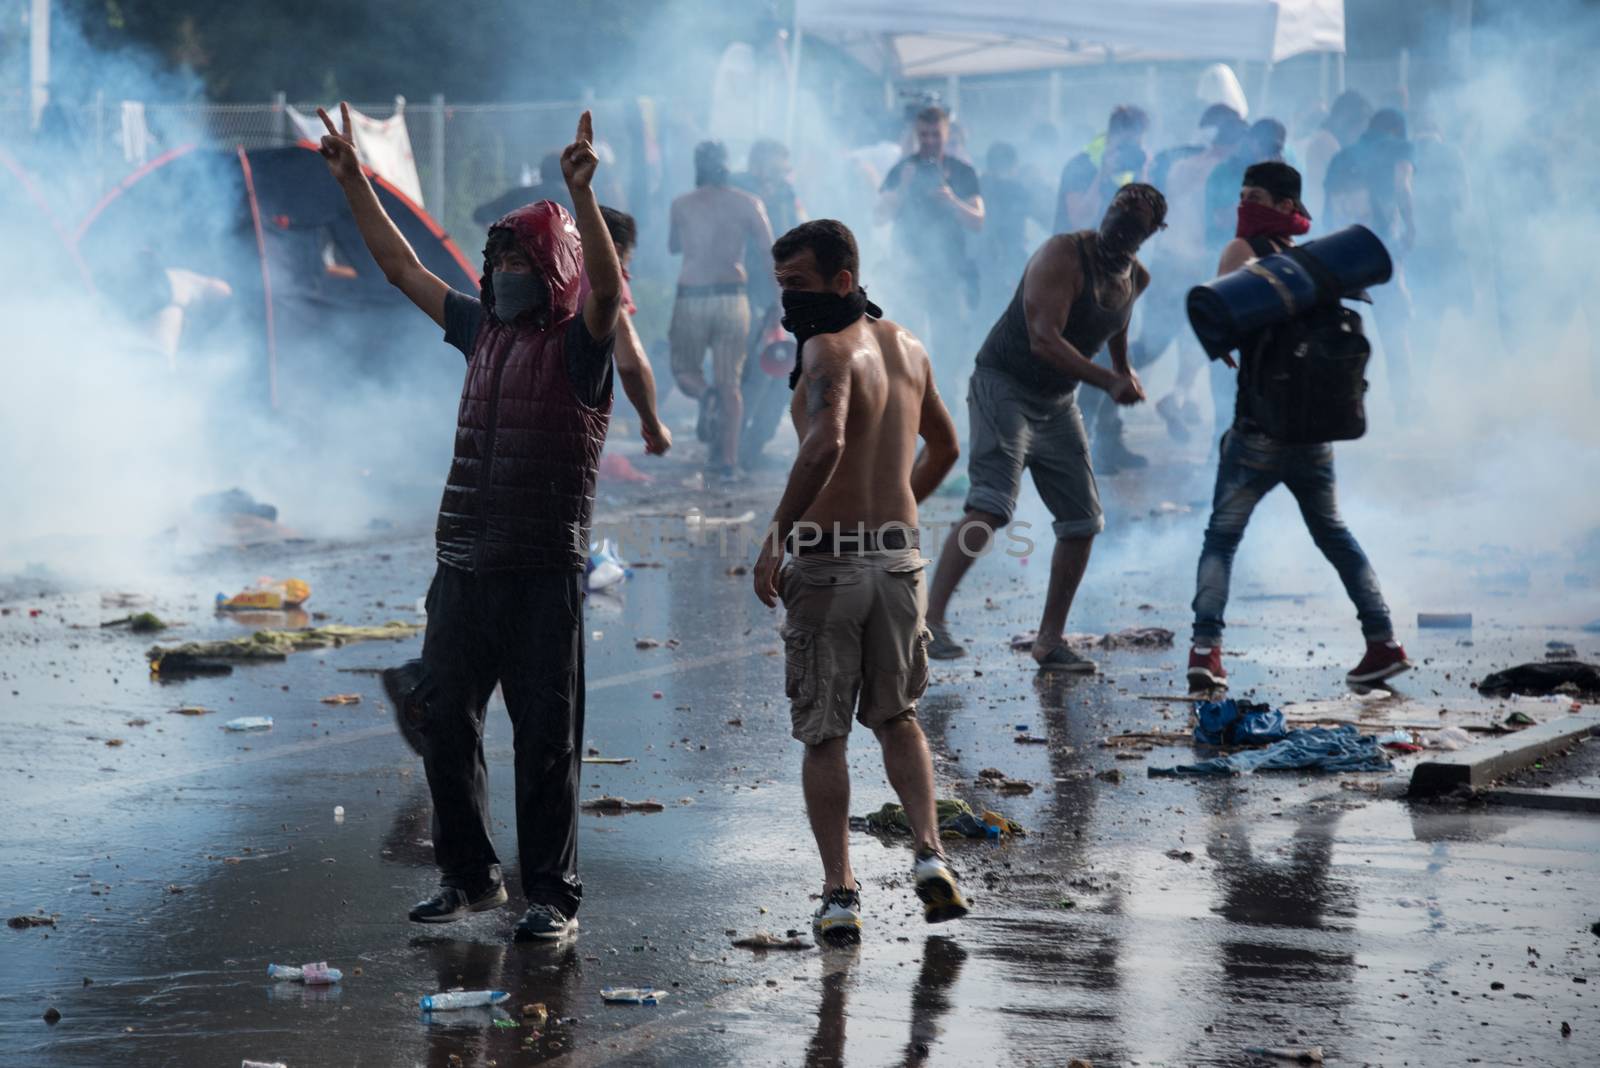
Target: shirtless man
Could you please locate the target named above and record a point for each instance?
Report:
(712, 227)
(1076, 294)
(853, 637)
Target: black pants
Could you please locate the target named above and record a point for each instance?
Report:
(523, 631)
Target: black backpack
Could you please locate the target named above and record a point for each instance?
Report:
(1305, 381)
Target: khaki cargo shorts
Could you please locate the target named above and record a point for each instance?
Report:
(853, 635)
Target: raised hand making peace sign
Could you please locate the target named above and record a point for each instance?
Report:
(579, 160)
(339, 147)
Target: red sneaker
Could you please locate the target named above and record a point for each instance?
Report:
(1384, 660)
(1205, 668)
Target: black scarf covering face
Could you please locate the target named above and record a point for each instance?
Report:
(805, 315)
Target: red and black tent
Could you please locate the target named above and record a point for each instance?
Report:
(41, 247)
(308, 298)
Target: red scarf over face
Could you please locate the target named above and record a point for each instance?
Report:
(1258, 220)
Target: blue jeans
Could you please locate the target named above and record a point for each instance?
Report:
(1250, 466)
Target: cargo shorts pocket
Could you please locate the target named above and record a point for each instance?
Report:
(799, 664)
(917, 672)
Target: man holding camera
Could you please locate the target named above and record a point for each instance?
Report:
(1252, 463)
(934, 201)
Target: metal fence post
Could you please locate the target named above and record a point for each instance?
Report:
(280, 108)
(437, 153)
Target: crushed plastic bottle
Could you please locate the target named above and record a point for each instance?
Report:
(632, 995)
(462, 999)
(261, 1064)
(249, 723)
(605, 567)
(318, 974)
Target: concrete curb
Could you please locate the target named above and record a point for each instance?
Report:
(1554, 800)
(1483, 764)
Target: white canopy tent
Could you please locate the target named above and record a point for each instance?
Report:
(940, 38)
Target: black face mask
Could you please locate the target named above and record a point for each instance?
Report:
(805, 315)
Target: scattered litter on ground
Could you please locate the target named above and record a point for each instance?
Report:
(1112, 775)
(1449, 739)
(190, 710)
(605, 568)
(615, 467)
(273, 644)
(763, 940)
(52, 1015)
(1520, 719)
(1129, 638)
(955, 816)
(342, 699)
(695, 521)
(618, 804)
(535, 1015)
(1541, 677)
(267, 595)
(21, 923)
(451, 1000)
(249, 723)
(1554, 650)
(141, 623)
(338, 813)
(607, 760)
(1444, 620)
(1181, 854)
(1233, 722)
(1341, 749)
(631, 995)
(1028, 739)
(1306, 1055)
(113, 743)
(173, 666)
(999, 780)
(318, 974)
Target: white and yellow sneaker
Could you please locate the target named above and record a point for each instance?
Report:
(936, 886)
(838, 920)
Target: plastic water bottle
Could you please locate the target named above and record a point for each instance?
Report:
(462, 999)
(318, 974)
(605, 568)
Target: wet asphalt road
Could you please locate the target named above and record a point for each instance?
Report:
(183, 861)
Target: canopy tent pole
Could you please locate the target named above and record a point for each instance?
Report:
(794, 80)
(266, 277)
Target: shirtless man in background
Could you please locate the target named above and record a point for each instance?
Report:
(712, 227)
(853, 636)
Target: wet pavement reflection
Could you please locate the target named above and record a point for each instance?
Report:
(1139, 921)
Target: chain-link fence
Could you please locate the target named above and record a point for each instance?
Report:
(466, 154)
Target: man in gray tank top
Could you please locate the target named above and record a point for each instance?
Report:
(1076, 295)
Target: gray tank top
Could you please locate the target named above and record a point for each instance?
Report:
(1089, 326)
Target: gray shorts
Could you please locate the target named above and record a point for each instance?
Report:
(1013, 429)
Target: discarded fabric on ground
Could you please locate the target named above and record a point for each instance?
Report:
(278, 644)
(956, 820)
(1541, 677)
(1233, 722)
(1341, 748)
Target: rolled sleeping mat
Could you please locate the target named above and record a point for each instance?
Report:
(1226, 311)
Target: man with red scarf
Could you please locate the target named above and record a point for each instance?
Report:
(1270, 217)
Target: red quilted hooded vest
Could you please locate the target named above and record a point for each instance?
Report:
(521, 487)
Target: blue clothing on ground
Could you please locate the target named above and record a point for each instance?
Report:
(1233, 722)
(1341, 748)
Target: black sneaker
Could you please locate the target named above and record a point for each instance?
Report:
(452, 903)
(838, 920)
(544, 923)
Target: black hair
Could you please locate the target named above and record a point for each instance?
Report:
(1388, 121)
(1149, 195)
(1217, 114)
(501, 241)
(932, 113)
(710, 163)
(1125, 118)
(1231, 129)
(829, 240)
(1268, 137)
(1002, 156)
(1351, 109)
(624, 231)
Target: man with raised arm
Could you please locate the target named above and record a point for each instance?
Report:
(853, 635)
(505, 607)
